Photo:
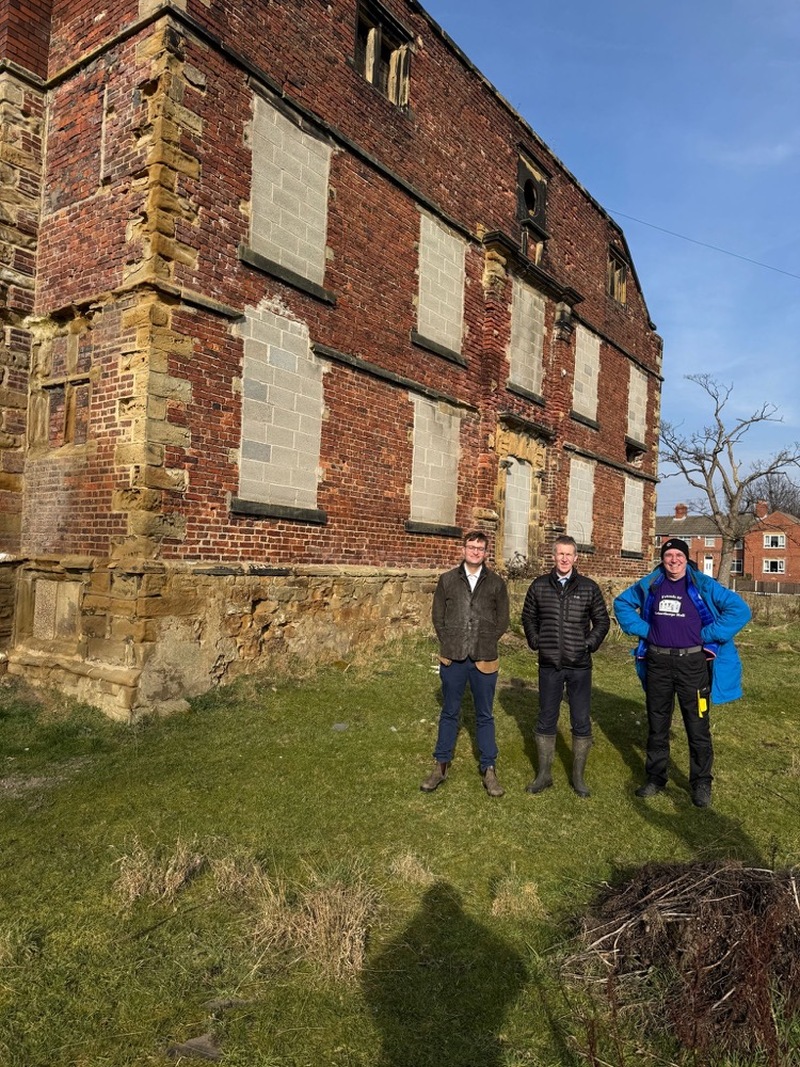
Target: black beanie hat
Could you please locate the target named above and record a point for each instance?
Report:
(677, 544)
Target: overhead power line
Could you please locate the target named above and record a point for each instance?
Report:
(705, 244)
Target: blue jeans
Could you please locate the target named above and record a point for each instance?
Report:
(482, 686)
(579, 695)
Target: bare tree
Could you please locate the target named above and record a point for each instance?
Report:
(707, 460)
(779, 493)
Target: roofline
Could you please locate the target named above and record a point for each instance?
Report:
(467, 62)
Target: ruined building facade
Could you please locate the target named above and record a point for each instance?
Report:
(290, 297)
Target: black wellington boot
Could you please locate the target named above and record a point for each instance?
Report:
(545, 750)
(580, 750)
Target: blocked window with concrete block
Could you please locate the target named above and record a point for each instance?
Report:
(282, 404)
(633, 515)
(527, 338)
(289, 193)
(440, 307)
(434, 479)
(517, 516)
(587, 372)
(637, 405)
(580, 508)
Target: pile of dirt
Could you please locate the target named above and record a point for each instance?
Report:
(709, 952)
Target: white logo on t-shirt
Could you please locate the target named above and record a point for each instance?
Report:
(669, 606)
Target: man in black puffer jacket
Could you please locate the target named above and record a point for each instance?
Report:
(565, 620)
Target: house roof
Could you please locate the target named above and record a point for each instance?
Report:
(776, 520)
(688, 527)
(703, 525)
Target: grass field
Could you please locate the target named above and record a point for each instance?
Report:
(261, 875)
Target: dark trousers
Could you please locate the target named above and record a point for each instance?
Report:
(683, 677)
(454, 681)
(578, 682)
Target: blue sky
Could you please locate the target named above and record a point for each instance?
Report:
(686, 117)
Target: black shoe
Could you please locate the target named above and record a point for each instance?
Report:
(649, 789)
(701, 795)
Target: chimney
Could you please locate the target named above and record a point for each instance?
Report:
(680, 511)
(762, 509)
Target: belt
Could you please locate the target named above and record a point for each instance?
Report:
(675, 651)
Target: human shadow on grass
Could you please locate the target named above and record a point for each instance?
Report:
(440, 991)
(708, 832)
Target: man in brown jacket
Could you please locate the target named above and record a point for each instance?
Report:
(470, 614)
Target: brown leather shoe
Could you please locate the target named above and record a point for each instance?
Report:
(491, 784)
(435, 778)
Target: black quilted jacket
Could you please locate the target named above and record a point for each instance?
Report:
(565, 625)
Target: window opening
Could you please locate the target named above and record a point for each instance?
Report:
(774, 566)
(382, 52)
(774, 540)
(617, 279)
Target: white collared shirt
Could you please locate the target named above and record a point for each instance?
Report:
(473, 578)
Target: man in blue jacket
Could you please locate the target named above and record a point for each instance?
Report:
(686, 622)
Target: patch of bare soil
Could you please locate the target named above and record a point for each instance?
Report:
(707, 951)
(16, 786)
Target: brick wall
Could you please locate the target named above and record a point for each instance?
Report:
(25, 34)
(776, 527)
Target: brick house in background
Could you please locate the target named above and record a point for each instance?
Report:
(291, 297)
(768, 553)
(772, 548)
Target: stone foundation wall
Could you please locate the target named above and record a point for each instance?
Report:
(140, 638)
(21, 140)
(7, 572)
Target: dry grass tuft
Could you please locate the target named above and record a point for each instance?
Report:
(324, 922)
(157, 874)
(516, 899)
(410, 870)
(238, 876)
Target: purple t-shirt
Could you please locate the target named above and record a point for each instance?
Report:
(676, 621)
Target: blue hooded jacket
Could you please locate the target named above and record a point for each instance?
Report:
(723, 613)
